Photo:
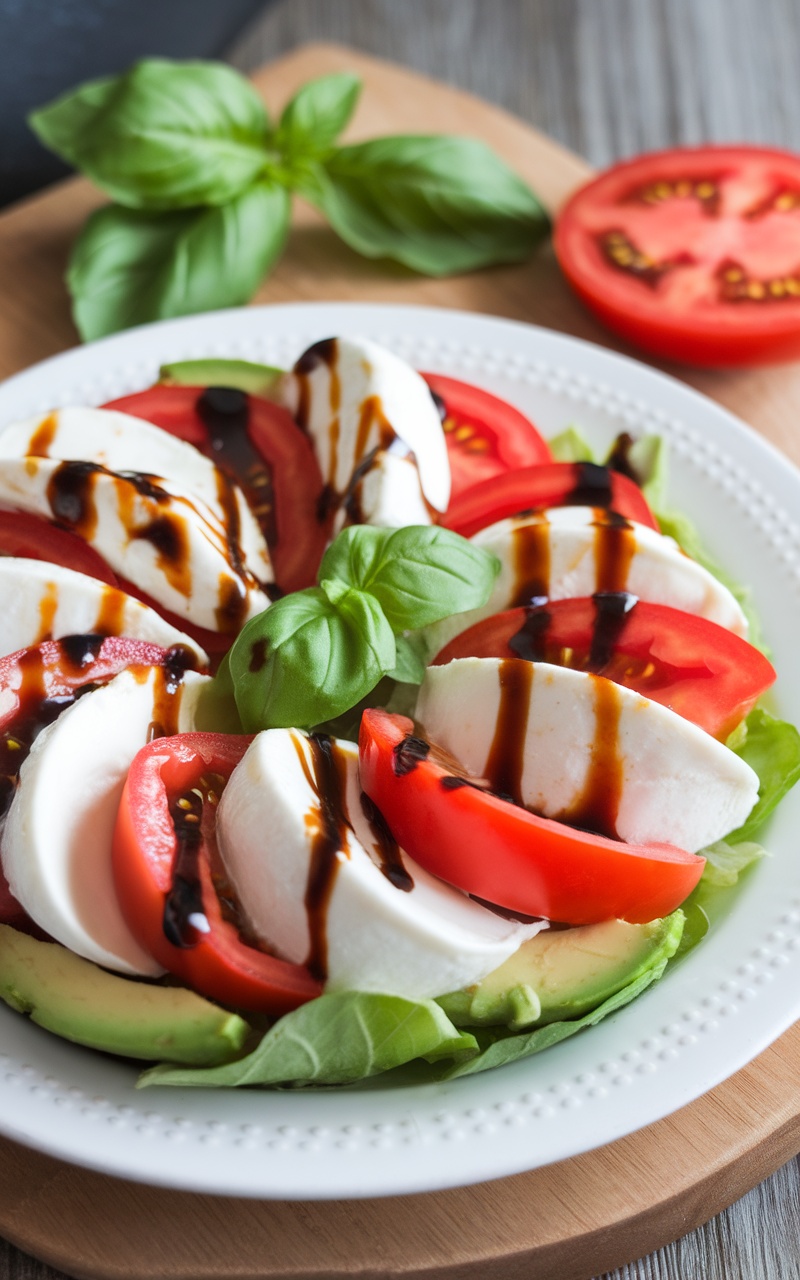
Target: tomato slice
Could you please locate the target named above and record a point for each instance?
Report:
(501, 852)
(485, 435)
(38, 684)
(700, 670)
(692, 254)
(261, 446)
(167, 873)
(554, 484)
(36, 539)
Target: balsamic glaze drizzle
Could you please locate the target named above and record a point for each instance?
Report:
(408, 754)
(329, 778)
(391, 860)
(184, 914)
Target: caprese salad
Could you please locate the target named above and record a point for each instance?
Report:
(348, 725)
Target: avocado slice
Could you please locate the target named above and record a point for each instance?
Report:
(75, 999)
(244, 375)
(564, 973)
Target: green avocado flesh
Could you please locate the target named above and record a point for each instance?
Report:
(257, 379)
(75, 999)
(564, 973)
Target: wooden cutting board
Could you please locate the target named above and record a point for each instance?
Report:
(572, 1220)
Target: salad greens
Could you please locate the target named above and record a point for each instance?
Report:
(202, 182)
(316, 653)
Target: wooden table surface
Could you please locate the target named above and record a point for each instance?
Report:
(607, 78)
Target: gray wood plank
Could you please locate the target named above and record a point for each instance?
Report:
(607, 78)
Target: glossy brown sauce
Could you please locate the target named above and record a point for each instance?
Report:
(530, 559)
(619, 459)
(231, 611)
(612, 612)
(258, 656)
(111, 613)
(48, 606)
(184, 913)
(226, 413)
(408, 753)
(70, 493)
(328, 777)
(504, 764)
(592, 486)
(168, 691)
(326, 351)
(614, 549)
(388, 850)
(42, 439)
(596, 808)
(36, 707)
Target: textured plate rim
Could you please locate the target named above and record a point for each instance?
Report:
(640, 1065)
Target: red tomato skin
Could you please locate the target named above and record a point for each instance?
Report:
(220, 965)
(700, 670)
(52, 678)
(712, 336)
(288, 452)
(509, 856)
(29, 536)
(553, 484)
(485, 435)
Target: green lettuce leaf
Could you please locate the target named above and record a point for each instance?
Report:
(337, 1039)
(497, 1049)
(771, 747)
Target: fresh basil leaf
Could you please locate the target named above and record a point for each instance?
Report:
(130, 267)
(165, 135)
(316, 115)
(436, 204)
(337, 1039)
(772, 748)
(307, 659)
(257, 379)
(419, 574)
(409, 666)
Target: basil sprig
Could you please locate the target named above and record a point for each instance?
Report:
(314, 654)
(202, 180)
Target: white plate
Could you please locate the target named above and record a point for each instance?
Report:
(711, 1015)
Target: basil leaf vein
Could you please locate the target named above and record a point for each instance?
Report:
(130, 266)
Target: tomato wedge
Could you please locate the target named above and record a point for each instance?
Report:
(554, 484)
(701, 670)
(39, 683)
(261, 446)
(167, 875)
(692, 254)
(501, 852)
(485, 435)
(36, 539)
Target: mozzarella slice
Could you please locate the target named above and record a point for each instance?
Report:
(580, 748)
(419, 940)
(44, 601)
(121, 442)
(56, 844)
(575, 551)
(358, 401)
(171, 546)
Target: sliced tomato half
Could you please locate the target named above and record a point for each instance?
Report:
(36, 539)
(692, 254)
(553, 484)
(38, 684)
(501, 852)
(261, 446)
(485, 435)
(700, 670)
(167, 874)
